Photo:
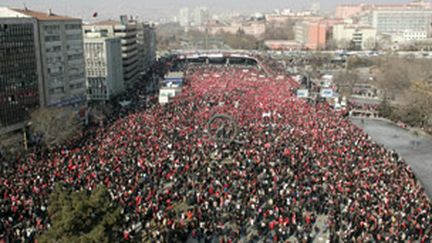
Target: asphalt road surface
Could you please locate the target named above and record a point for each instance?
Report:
(416, 150)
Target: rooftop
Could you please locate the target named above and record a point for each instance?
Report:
(107, 22)
(43, 16)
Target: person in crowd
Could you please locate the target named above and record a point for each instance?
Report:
(297, 163)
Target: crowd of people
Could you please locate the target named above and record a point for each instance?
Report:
(291, 163)
(364, 109)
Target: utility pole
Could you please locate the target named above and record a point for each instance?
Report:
(25, 138)
(206, 38)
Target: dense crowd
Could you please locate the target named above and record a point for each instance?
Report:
(358, 107)
(291, 164)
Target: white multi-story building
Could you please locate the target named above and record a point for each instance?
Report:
(415, 35)
(300, 32)
(392, 21)
(359, 35)
(200, 16)
(104, 68)
(126, 30)
(61, 59)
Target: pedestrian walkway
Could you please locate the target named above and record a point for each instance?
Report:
(415, 149)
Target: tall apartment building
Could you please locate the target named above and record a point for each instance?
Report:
(126, 30)
(200, 16)
(184, 17)
(19, 89)
(146, 38)
(104, 68)
(60, 58)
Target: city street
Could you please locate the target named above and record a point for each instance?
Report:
(416, 150)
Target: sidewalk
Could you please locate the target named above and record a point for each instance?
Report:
(415, 149)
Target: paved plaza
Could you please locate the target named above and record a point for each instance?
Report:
(415, 149)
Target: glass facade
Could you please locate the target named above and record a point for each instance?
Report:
(18, 73)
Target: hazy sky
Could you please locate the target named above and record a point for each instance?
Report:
(150, 9)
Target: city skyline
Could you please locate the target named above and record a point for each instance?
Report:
(152, 10)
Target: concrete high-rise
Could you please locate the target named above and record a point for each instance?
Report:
(45, 60)
(126, 30)
(19, 84)
(61, 58)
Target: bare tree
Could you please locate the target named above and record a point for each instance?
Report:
(344, 44)
(331, 44)
(283, 31)
(405, 80)
(418, 108)
(240, 40)
(346, 80)
(384, 43)
(370, 44)
(395, 74)
(56, 125)
(168, 36)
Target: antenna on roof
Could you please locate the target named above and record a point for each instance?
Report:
(25, 7)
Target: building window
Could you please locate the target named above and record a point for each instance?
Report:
(72, 26)
(52, 38)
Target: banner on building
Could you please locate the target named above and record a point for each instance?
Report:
(326, 93)
(302, 93)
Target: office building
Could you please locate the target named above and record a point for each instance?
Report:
(104, 70)
(42, 62)
(393, 21)
(60, 58)
(19, 85)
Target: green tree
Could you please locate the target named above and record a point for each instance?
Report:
(82, 217)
